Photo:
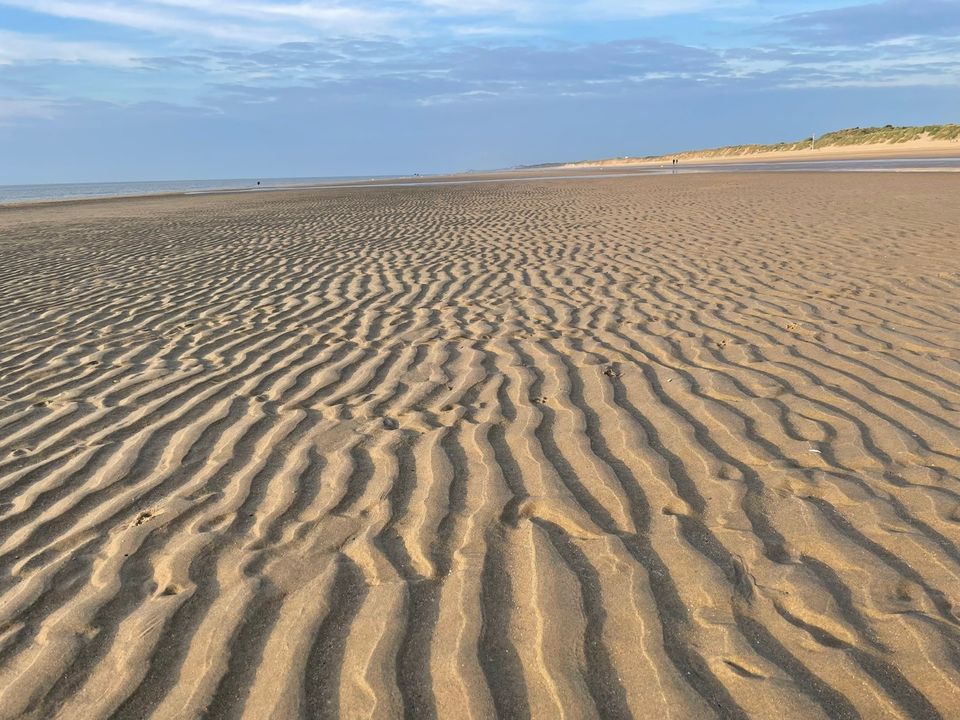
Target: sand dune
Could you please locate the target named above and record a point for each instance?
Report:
(665, 447)
(909, 149)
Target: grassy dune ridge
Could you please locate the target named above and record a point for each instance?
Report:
(888, 134)
(839, 139)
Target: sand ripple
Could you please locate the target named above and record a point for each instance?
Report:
(669, 447)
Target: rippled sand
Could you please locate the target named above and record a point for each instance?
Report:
(666, 447)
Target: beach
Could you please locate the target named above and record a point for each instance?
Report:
(674, 446)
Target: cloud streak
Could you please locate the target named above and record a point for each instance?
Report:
(242, 23)
(273, 21)
(873, 22)
(24, 48)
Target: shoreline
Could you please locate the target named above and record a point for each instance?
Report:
(178, 192)
(599, 170)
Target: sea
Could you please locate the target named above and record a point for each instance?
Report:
(74, 191)
(77, 191)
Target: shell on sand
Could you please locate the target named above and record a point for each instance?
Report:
(666, 447)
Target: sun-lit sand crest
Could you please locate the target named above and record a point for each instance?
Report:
(666, 447)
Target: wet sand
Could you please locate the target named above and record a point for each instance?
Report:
(668, 446)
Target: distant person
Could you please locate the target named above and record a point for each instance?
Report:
(258, 183)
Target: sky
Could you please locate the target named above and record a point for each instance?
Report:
(119, 90)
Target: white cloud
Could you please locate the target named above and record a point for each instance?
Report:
(473, 50)
(577, 8)
(18, 109)
(330, 16)
(450, 98)
(264, 22)
(19, 48)
(258, 23)
(493, 31)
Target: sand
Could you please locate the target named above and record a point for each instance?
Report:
(660, 447)
(923, 148)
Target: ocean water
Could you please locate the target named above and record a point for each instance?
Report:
(28, 193)
(73, 191)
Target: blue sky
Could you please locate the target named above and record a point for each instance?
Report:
(96, 90)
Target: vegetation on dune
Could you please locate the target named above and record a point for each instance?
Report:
(888, 134)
